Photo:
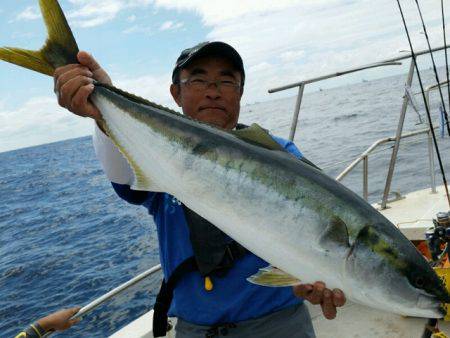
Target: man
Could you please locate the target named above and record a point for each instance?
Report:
(207, 83)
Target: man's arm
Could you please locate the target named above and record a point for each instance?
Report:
(115, 166)
(57, 321)
(73, 86)
(117, 169)
(75, 82)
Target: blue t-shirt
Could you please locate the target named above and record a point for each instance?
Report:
(232, 298)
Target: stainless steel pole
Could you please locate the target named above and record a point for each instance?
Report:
(95, 303)
(366, 178)
(298, 103)
(431, 163)
(398, 135)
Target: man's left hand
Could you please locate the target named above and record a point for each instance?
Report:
(317, 293)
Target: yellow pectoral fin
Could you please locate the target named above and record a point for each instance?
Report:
(255, 134)
(439, 335)
(274, 277)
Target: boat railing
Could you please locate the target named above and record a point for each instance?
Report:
(387, 62)
(116, 291)
(434, 87)
(364, 157)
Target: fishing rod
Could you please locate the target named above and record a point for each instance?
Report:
(445, 50)
(432, 323)
(434, 66)
(413, 55)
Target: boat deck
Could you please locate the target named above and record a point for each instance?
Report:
(357, 321)
(413, 214)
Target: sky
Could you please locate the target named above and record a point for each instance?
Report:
(138, 41)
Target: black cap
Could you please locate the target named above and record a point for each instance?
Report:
(216, 48)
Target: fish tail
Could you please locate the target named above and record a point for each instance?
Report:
(59, 50)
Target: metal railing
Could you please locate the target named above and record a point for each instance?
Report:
(116, 291)
(434, 87)
(388, 62)
(301, 87)
(364, 157)
(303, 83)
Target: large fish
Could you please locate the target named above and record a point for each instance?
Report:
(306, 224)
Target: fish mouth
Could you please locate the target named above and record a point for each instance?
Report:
(432, 304)
(443, 310)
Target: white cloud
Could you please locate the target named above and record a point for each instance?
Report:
(280, 41)
(151, 87)
(290, 40)
(43, 122)
(292, 55)
(138, 29)
(170, 25)
(260, 67)
(29, 13)
(214, 11)
(94, 14)
(90, 14)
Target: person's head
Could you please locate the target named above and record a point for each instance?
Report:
(208, 83)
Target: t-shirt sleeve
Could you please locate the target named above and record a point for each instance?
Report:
(117, 170)
(114, 164)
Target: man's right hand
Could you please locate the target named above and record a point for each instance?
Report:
(74, 84)
(60, 320)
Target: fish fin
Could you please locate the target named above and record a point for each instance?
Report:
(136, 99)
(141, 182)
(59, 50)
(336, 233)
(272, 276)
(257, 135)
(308, 162)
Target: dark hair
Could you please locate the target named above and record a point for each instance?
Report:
(176, 76)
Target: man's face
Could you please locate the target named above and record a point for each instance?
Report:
(213, 105)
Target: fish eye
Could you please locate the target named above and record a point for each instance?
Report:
(419, 282)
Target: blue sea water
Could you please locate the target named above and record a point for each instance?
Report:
(66, 238)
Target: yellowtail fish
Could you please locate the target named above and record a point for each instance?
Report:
(306, 224)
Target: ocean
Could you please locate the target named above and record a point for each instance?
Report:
(66, 238)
